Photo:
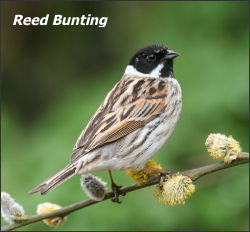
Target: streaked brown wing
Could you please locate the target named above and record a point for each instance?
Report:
(131, 104)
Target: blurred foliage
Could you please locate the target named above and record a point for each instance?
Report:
(54, 78)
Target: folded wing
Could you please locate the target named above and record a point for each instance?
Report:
(131, 104)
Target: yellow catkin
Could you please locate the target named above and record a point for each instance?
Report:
(222, 147)
(143, 175)
(175, 190)
(53, 221)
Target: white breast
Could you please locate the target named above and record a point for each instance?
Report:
(149, 139)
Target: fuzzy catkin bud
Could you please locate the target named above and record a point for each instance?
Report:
(93, 186)
(48, 207)
(10, 209)
(175, 190)
(143, 175)
(222, 147)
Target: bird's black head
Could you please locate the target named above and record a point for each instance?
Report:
(154, 60)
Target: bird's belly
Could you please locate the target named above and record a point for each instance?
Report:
(132, 152)
(135, 149)
(153, 137)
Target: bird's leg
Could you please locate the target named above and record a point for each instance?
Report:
(115, 188)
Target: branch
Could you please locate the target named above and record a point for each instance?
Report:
(194, 174)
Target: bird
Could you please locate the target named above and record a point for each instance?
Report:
(134, 121)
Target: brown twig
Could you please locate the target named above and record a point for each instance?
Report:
(194, 174)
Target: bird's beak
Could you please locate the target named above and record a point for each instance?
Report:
(171, 54)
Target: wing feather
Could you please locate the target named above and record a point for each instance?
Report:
(129, 106)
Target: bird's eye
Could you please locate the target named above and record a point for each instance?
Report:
(151, 57)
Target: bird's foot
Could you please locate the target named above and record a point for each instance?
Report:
(162, 172)
(116, 190)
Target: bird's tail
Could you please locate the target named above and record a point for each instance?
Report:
(55, 180)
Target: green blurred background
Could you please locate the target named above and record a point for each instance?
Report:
(54, 78)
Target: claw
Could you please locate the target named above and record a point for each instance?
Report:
(116, 190)
(160, 171)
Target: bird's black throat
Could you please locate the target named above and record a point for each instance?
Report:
(167, 70)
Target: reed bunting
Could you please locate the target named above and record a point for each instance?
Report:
(133, 122)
